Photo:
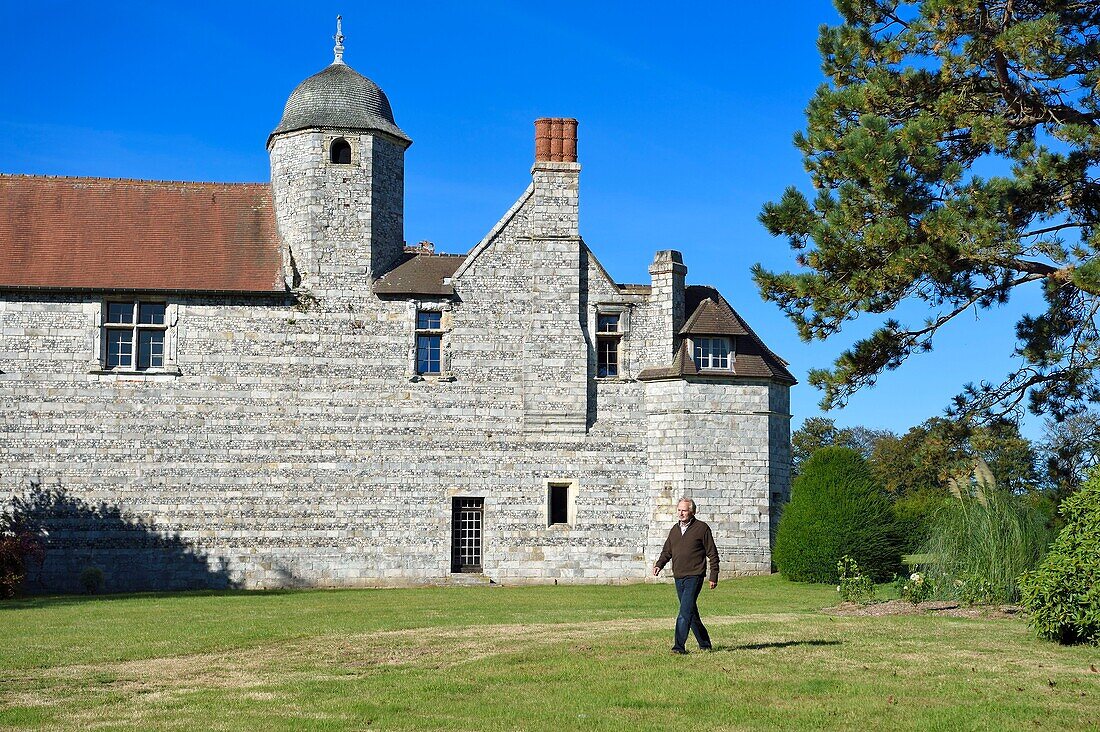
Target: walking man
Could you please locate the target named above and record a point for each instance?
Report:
(690, 546)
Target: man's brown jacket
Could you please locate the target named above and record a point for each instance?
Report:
(689, 553)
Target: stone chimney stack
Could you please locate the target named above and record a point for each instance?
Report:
(556, 176)
(555, 353)
(668, 273)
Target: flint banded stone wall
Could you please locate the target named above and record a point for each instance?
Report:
(290, 443)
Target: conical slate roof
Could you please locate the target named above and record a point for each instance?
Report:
(342, 98)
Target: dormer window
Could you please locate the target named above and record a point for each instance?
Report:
(340, 152)
(713, 353)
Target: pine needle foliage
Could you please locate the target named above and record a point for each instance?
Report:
(837, 508)
(954, 152)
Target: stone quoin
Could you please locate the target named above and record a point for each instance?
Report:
(261, 385)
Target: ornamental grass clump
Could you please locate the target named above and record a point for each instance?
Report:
(837, 508)
(1063, 593)
(979, 545)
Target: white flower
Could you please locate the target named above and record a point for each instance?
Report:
(838, 588)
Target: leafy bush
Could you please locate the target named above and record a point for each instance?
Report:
(979, 546)
(914, 588)
(1063, 594)
(914, 513)
(18, 551)
(855, 586)
(836, 508)
(91, 579)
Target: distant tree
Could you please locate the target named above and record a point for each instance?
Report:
(818, 432)
(921, 97)
(1071, 449)
(939, 451)
(836, 508)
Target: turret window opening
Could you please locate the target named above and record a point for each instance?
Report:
(340, 152)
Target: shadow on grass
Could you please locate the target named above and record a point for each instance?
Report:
(781, 644)
(48, 601)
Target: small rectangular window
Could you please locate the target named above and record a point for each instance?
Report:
(608, 323)
(558, 503)
(428, 320)
(712, 353)
(427, 354)
(607, 357)
(133, 335)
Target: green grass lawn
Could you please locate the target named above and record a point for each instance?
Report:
(553, 658)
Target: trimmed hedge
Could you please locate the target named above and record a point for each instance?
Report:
(837, 508)
(1063, 594)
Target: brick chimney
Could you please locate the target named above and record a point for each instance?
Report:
(556, 140)
(556, 176)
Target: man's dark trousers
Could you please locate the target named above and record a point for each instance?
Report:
(688, 588)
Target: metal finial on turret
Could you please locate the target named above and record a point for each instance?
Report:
(339, 38)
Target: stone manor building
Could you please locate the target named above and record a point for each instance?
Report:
(261, 385)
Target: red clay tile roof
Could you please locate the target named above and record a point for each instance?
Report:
(712, 315)
(117, 234)
(420, 274)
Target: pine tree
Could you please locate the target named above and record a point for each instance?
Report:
(954, 154)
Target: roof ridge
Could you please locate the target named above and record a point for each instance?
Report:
(752, 333)
(110, 179)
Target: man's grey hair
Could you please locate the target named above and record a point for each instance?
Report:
(685, 499)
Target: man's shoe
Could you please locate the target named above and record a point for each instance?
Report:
(679, 652)
(707, 649)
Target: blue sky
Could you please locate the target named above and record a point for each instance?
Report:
(686, 116)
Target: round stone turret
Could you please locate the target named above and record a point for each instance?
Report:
(338, 181)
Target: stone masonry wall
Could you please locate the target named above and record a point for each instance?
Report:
(291, 444)
(711, 441)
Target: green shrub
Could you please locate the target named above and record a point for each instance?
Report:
(979, 546)
(855, 586)
(915, 588)
(91, 579)
(914, 513)
(836, 508)
(1063, 594)
(18, 552)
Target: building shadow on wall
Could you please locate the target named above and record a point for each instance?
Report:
(132, 556)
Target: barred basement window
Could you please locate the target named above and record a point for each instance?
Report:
(429, 338)
(608, 337)
(340, 151)
(712, 353)
(133, 335)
